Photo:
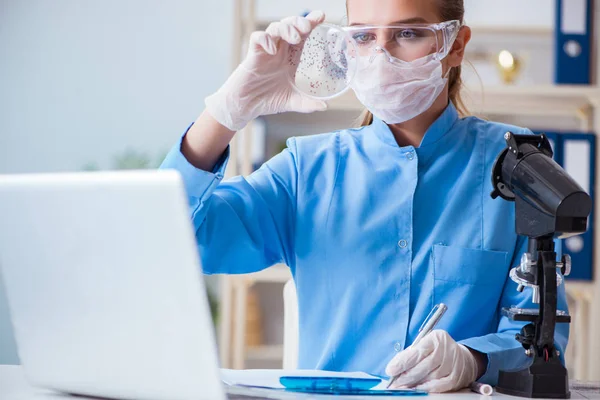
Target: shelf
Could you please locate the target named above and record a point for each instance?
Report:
(545, 90)
(580, 289)
(539, 100)
(536, 100)
(265, 352)
(262, 24)
(512, 30)
(279, 273)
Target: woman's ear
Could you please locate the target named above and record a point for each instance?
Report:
(456, 55)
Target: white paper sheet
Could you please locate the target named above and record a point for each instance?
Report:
(577, 161)
(574, 17)
(270, 377)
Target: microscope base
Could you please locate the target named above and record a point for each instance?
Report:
(541, 380)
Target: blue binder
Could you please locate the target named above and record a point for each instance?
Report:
(573, 41)
(555, 141)
(576, 153)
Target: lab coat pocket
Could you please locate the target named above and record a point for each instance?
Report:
(469, 282)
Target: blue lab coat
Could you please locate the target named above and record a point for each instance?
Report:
(375, 235)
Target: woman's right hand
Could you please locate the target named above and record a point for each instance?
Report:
(260, 84)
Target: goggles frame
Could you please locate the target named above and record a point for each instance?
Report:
(448, 29)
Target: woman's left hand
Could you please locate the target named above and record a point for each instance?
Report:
(436, 364)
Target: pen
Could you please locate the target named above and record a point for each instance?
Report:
(481, 388)
(430, 322)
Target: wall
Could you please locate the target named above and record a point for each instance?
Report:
(531, 13)
(8, 349)
(82, 81)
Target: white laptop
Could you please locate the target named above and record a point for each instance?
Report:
(105, 287)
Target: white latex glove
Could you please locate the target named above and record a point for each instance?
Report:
(260, 84)
(436, 364)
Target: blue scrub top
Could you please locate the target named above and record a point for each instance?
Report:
(375, 235)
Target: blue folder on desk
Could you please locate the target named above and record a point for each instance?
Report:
(341, 386)
(277, 383)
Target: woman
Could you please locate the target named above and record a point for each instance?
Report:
(377, 224)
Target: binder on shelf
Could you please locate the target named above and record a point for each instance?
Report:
(579, 160)
(573, 42)
(576, 153)
(554, 139)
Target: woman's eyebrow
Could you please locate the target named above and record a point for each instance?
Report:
(414, 20)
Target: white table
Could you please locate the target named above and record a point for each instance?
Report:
(13, 386)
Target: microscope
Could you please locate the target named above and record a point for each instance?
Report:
(549, 204)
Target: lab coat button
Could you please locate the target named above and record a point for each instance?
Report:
(410, 155)
(402, 244)
(398, 347)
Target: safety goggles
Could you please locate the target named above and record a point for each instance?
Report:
(405, 42)
(326, 62)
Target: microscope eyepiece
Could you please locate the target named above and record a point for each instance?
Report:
(548, 200)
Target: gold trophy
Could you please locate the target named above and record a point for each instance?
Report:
(509, 66)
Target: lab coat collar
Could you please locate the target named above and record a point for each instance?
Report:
(440, 127)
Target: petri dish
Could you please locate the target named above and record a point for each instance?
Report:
(321, 63)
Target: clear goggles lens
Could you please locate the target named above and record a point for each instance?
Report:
(408, 42)
(323, 62)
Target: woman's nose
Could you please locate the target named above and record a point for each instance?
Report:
(377, 50)
(385, 40)
(383, 43)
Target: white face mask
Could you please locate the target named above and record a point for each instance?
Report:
(397, 91)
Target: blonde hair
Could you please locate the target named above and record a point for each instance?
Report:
(449, 10)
